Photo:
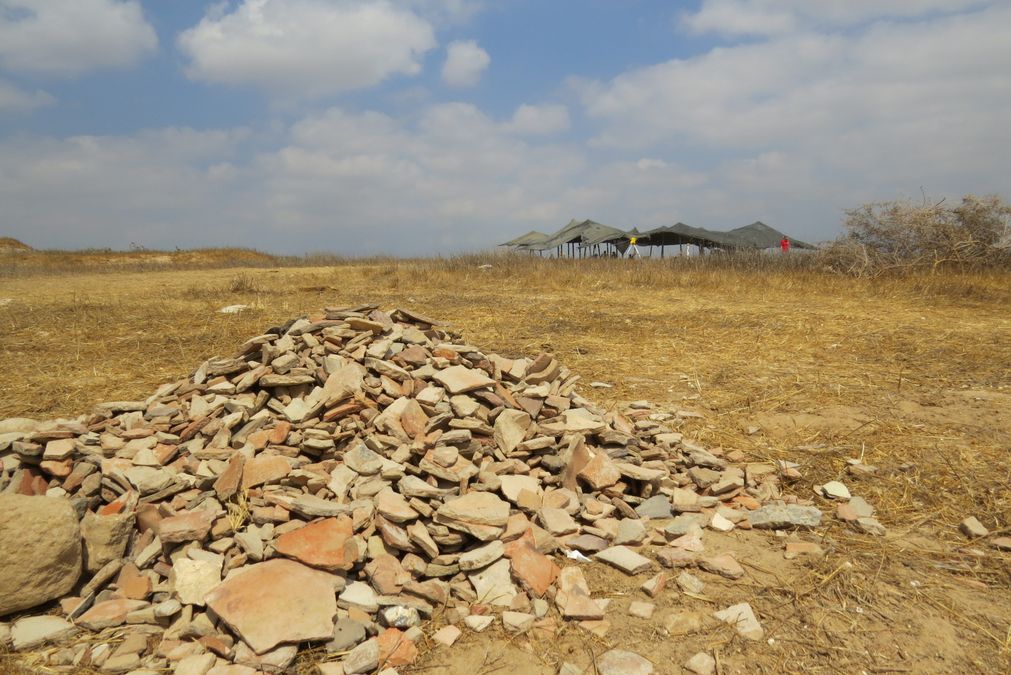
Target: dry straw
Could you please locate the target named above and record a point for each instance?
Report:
(911, 373)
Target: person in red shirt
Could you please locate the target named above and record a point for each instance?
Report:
(784, 244)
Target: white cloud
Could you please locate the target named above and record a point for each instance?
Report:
(307, 48)
(776, 17)
(738, 17)
(69, 37)
(454, 179)
(159, 186)
(354, 182)
(809, 87)
(540, 119)
(13, 99)
(447, 11)
(465, 62)
(802, 125)
(790, 130)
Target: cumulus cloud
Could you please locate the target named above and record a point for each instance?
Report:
(308, 48)
(790, 129)
(465, 62)
(540, 119)
(826, 120)
(775, 17)
(14, 99)
(447, 11)
(160, 186)
(355, 182)
(69, 37)
(892, 81)
(339, 180)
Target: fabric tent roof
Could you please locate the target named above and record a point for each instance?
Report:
(757, 235)
(595, 233)
(760, 235)
(531, 237)
(566, 235)
(576, 232)
(679, 233)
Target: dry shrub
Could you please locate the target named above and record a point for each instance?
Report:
(895, 235)
(244, 283)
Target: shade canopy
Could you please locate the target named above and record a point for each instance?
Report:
(679, 234)
(760, 235)
(586, 233)
(531, 237)
(576, 232)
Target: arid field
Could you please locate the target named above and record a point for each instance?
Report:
(911, 374)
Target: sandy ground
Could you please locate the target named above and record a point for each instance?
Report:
(912, 375)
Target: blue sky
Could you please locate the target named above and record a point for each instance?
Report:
(427, 126)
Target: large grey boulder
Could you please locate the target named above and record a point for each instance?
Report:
(40, 550)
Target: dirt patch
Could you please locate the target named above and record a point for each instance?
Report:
(831, 422)
(977, 408)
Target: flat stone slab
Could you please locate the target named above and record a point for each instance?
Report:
(972, 528)
(264, 469)
(346, 634)
(625, 559)
(482, 556)
(275, 602)
(478, 623)
(109, 613)
(186, 526)
(621, 662)
(194, 579)
(511, 486)
(360, 594)
(447, 635)
(325, 544)
(33, 631)
(655, 507)
(743, 618)
(461, 379)
(587, 543)
(517, 622)
(494, 585)
(479, 514)
(782, 516)
(630, 531)
(835, 490)
(701, 664)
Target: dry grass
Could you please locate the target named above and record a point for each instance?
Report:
(912, 373)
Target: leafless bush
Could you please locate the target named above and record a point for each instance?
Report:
(243, 283)
(893, 235)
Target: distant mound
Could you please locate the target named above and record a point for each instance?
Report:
(10, 244)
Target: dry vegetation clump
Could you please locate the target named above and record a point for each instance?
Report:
(909, 372)
(902, 235)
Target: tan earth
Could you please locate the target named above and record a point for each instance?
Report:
(912, 375)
